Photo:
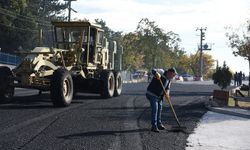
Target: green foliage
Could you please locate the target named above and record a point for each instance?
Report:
(160, 48)
(133, 57)
(208, 63)
(222, 76)
(191, 63)
(240, 42)
(21, 20)
(151, 47)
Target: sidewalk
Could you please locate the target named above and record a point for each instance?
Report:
(222, 128)
(221, 132)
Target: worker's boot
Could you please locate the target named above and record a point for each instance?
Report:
(155, 129)
(161, 127)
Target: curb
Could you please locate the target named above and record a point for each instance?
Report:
(229, 110)
(244, 113)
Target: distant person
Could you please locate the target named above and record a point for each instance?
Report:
(243, 76)
(149, 76)
(240, 78)
(155, 95)
(236, 79)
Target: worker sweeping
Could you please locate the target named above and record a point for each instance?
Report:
(155, 94)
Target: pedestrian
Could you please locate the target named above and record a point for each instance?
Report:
(155, 95)
(244, 76)
(149, 76)
(235, 79)
(240, 78)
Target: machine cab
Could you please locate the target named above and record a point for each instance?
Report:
(82, 38)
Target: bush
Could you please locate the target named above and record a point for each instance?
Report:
(222, 77)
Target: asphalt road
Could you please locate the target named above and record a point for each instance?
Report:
(31, 122)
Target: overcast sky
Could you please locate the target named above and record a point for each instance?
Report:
(180, 16)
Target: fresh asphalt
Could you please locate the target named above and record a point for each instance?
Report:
(30, 121)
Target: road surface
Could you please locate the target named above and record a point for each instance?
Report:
(121, 123)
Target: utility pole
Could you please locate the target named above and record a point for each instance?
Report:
(69, 8)
(217, 64)
(202, 38)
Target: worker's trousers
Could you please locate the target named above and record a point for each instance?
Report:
(156, 108)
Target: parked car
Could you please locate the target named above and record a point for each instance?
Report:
(140, 74)
(187, 77)
(198, 78)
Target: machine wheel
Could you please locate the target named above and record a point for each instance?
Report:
(108, 80)
(118, 83)
(6, 81)
(61, 88)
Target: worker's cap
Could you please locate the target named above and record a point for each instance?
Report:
(173, 70)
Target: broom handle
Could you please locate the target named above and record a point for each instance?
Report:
(170, 103)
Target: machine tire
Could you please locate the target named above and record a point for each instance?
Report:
(61, 88)
(118, 83)
(108, 80)
(6, 79)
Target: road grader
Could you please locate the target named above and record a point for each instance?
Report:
(82, 60)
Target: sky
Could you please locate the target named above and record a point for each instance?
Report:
(180, 16)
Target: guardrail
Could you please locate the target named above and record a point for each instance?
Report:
(9, 59)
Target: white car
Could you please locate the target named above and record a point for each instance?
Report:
(187, 77)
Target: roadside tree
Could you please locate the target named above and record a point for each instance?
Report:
(240, 42)
(222, 76)
(208, 63)
(21, 21)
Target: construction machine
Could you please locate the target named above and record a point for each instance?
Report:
(82, 60)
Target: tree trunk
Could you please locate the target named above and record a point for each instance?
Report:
(154, 61)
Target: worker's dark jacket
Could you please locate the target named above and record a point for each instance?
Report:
(155, 88)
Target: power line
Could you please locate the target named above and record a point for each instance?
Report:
(24, 18)
(30, 30)
(27, 17)
(39, 23)
(9, 26)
